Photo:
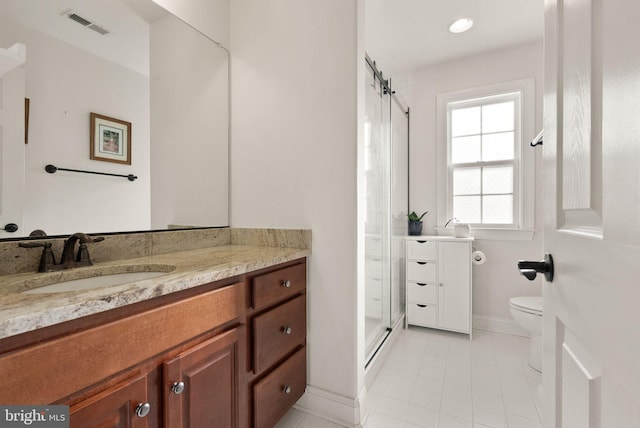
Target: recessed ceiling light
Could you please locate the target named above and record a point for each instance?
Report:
(461, 25)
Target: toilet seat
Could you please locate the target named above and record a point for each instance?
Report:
(530, 305)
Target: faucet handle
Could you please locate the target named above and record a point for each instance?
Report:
(47, 259)
(34, 244)
(83, 259)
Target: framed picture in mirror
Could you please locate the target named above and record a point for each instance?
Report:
(110, 139)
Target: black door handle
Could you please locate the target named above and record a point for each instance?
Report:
(530, 269)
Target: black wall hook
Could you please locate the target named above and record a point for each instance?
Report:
(538, 140)
(10, 227)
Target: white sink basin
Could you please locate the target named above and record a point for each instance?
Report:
(94, 282)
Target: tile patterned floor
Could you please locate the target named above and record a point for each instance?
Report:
(436, 379)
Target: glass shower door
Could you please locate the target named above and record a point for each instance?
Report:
(386, 187)
(376, 188)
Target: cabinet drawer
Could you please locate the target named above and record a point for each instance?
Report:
(274, 286)
(277, 332)
(426, 315)
(420, 292)
(421, 271)
(275, 394)
(421, 250)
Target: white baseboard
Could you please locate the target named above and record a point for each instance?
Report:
(343, 410)
(332, 407)
(498, 325)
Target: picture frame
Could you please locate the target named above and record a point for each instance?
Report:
(110, 139)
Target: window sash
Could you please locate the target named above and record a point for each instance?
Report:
(516, 98)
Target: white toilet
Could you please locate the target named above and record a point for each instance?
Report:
(527, 312)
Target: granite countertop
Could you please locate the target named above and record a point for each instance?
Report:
(20, 312)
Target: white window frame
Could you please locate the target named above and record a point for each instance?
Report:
(524, 159)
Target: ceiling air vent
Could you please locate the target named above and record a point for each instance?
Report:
(85, 22)
(79, 19)
(98, 29)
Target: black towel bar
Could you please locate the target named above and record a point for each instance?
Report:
(52, 168)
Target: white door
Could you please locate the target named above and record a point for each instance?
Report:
(591, 363)
(12, 91)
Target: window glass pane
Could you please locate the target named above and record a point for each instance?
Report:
(465, 121)
(465, 149)
(497, 209)
(467, 208)
(498, 146)
(497, 179)
(498, 117)
(466, 181)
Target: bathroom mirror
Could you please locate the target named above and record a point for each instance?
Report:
(132, 61)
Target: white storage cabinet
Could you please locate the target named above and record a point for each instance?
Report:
(439, 282)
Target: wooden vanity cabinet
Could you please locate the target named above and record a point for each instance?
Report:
(105, 372)
(277, 325)
(237, 346)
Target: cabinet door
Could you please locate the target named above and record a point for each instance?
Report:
(114, 408)
(209, 395)
(454, 297)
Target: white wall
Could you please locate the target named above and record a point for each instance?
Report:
(189, 161)
(211, 17)
(294, 130)
(495, 282)
(65, 84)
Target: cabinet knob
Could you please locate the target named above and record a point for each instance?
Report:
(143, 409)
(286, 283)
(286, 389)
(286, 330)
(177, 388)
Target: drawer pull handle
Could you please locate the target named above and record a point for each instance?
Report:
(421, 242)
(421, 284)
(422, 306)
(422, 263)
(177, 388)
(143, 409)
(286, 330)
(440, 284)
(286, 389)
(286, 283)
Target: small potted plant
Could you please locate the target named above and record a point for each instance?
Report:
(415, 223)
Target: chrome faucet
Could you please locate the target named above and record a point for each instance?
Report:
(68, 259)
